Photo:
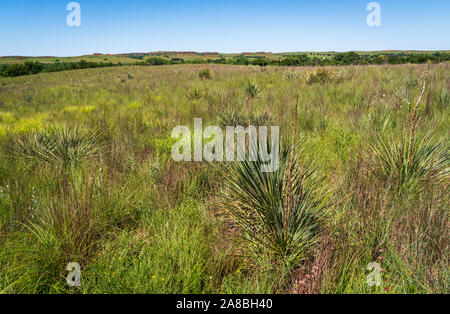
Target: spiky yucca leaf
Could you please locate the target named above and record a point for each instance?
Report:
(256, 201)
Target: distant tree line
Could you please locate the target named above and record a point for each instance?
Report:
(346, 58)
(17, 69)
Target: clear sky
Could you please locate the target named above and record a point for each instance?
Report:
(39, 28)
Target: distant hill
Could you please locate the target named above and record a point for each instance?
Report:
(132, 56)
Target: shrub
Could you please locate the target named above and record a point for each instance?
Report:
(233, 118)
(261, 62)
(34, 67)
(16, 70)
(296, 60)
(157, 61)
(321, 76)
(347, 58)
(177, 60)
(241, 60)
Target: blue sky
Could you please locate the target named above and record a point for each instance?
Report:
(38, 27)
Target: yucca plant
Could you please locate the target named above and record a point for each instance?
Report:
(322, 76)
(404, 91)
(290, 75)
(195, 94)
(252, 90)
(411, 83)
(279, 216)
(409, 169)
(61, 147)
(205, 74)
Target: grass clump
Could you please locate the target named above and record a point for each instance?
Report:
(324, 76)
(169, 253)
(61, 147)
(195, 94)
(234, 118)
(411, 168)
(252, 90)
(320, 76)
(290, 75)
(411, 163)
(205, 74)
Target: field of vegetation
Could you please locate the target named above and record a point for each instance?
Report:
(18, 66)
(86, 176)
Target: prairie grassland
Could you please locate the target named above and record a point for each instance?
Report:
(86, 176)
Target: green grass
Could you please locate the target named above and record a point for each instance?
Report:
(86, 176)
